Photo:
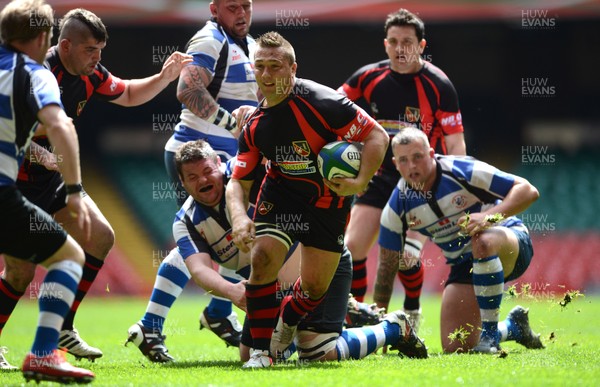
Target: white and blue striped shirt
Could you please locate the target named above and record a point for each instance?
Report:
(463, 185)
(232, 86)
(26, 87)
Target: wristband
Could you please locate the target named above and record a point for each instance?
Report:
(73, 188)
(224, 119)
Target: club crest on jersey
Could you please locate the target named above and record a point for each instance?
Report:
(459, 201)
(80, 106)
(264, 208)
(412, 114)
(302, 148)
(413, 221)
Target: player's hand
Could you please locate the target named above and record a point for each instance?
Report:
(238, 295)
(78, 209)
(243, 232)
(242, 114)
(345, 186)
(42, 156)
(472, 224)
(173, 65)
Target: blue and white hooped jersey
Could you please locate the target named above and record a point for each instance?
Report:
(200, 229)
(463, 185)
(26, 87)
(232, 86)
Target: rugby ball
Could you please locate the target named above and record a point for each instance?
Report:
(339, 159)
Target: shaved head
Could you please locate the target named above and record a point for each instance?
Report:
(80, 25)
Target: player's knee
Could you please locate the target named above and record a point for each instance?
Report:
(263, 267)
(104, 240)
(484, 245)
(315, 290)
(317, 346)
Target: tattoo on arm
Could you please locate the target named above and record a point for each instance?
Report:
(192, 91)
(386, 272)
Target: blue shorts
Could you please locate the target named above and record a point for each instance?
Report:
(462, 273)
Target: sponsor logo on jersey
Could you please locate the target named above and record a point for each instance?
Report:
(452, 120)
(297, 167)
(302, 148)
(113, 86)
(412, 114)
(241, 164)
(80, 106)
(459, 201)
(340, 240)
(264, 208)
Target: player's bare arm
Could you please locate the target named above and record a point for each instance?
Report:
(63, 138)
(242, 227)
(192, 91)
(386, 272)
(455, 144)
(139, 91)
(201, 267)
(519, 198)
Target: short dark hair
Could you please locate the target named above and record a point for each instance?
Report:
(24, 20)
(75, 19)
(275, 40)
(405, 18)
(193, 151)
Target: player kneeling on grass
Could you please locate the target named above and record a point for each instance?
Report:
(468, 208)
(202, 232)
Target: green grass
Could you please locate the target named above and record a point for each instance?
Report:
(571, 357)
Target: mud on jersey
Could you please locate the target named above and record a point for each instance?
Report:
(463, 185)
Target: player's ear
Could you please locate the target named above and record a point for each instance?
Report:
(64, 44)
(422, 45)
(294, 67)
(213, 9)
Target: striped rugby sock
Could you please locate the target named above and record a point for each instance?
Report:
(263, 308)
(9, 297)
(488, 283)
(90, 271)
(356, 343)
(171, 278)
(56, 295)
(359, 279)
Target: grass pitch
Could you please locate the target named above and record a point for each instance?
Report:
(570, 333)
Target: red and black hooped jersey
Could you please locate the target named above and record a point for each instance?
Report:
(75, 91)
(426, 100)
(291, 134)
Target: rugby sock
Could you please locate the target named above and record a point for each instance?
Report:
(171, 278)
(412, 280)
(263, 308)
(488, 283)
(356, 343)
(90, 270)
(8, 301)
(509, 331)
(56, 295)
(298, 304)
(359, 279)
